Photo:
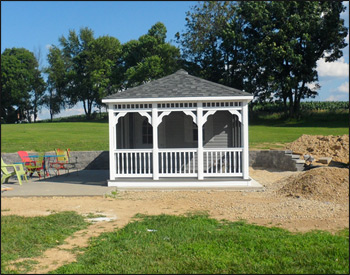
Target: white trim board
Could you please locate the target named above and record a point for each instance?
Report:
(178, 99)
(238, 185)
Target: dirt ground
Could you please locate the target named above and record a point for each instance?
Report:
(297, 201)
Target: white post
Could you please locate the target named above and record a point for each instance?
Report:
(155, 141)
(200, 140)
(112, 142)
(245, 161)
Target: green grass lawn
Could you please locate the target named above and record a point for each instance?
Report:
(28, 237)
(197, 244)
(265, 131)
(44, 137)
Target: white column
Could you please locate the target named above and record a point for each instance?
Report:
(245, 139)
(112, 142)
(155, 141)
(200, 140)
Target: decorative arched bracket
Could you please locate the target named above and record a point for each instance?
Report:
(149, 117)
(160, 117)
(190, 113)
(205, 116)
(238, 114)
(119, 115)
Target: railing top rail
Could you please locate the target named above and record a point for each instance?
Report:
(237, 149)
(132, 150)
(178, 150)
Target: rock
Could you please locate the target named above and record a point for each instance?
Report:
(325, 160)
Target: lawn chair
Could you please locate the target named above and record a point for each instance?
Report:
(62, 161)
(18, 171)
(32, 166)
(38, 167)
(25, 158)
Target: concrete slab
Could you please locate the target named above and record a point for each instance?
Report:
(81, 183)
(94, 183)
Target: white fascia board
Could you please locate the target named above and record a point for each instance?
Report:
(177, 99)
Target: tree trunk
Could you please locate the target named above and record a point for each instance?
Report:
(291, 103)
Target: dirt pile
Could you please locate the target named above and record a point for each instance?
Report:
(327, 184)
(336, 147)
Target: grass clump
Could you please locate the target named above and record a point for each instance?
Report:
(27, 237)
(198, 244)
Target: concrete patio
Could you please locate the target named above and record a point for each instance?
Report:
(81, 183)
(94, 183)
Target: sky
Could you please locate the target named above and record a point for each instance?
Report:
(35, 25)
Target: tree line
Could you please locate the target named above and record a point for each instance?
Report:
(267, 48)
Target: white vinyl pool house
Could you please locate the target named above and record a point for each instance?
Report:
(178, 131)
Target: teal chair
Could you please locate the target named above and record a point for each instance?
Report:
(18, 170)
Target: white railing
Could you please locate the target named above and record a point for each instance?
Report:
(134, 163)
(177, 162)
(222, 162)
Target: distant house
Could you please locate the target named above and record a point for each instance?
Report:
(178, 131)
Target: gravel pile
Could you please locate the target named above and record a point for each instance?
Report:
(327, 184)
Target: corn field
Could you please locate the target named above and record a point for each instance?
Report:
(304, 106)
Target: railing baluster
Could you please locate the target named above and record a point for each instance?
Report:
(175, 162)
(240, 162)
(229, 162)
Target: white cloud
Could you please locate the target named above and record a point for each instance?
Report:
(311, 85)
(335, 69)
(347, 38)
(48, 46)
(343, 88)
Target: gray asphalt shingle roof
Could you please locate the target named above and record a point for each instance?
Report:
(178, 84)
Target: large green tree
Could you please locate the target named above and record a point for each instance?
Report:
(268, 48)
(22, 85)
(288, 38)
(149, 57)
(90, 68)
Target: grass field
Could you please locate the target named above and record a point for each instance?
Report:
(167, 244)
(197, 244)
(265, 131)
(44, 137)
(23, 237)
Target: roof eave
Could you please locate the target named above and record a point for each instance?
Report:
(247, 98)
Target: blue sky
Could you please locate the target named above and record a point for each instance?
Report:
(38, 24)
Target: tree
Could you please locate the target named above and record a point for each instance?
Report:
(268, 48)
(90, 67)
(21, 84)
(149, 57)
(292, 37)
(57, 81)
(211, 47)
(105, 67)
(39, 86)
